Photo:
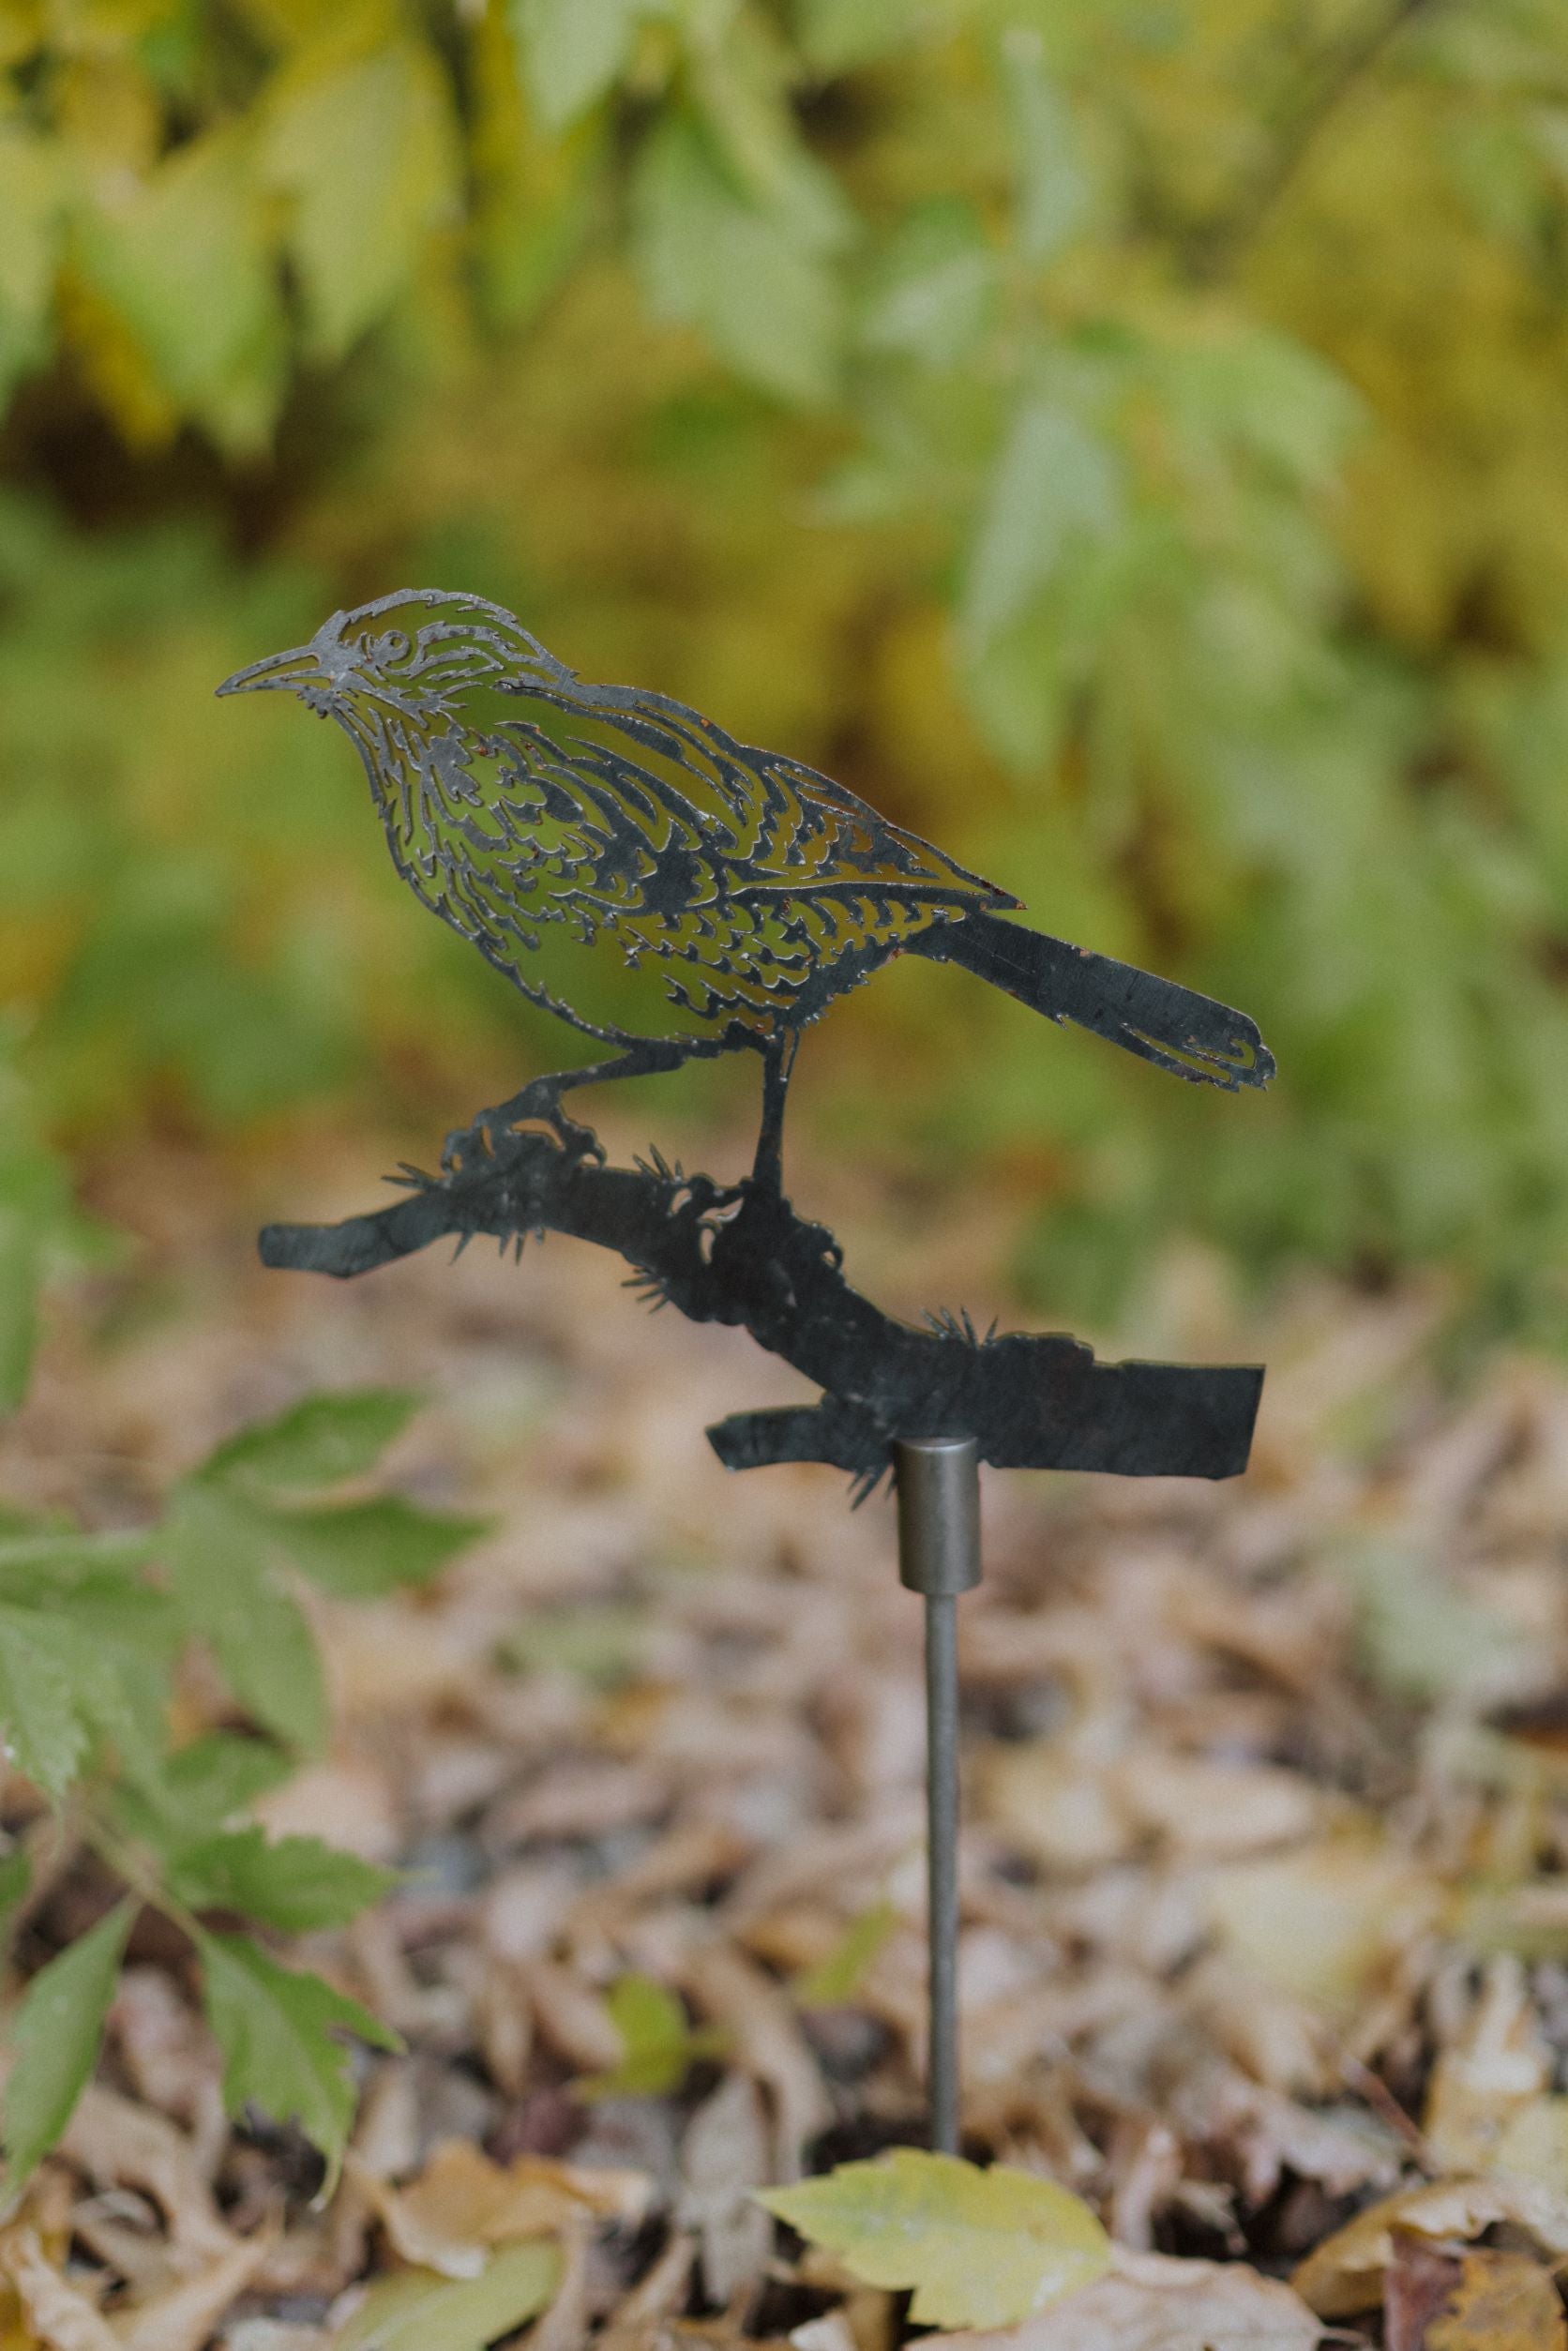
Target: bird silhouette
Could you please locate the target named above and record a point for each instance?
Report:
(517, 798)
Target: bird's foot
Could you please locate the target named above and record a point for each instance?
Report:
(493, 1136)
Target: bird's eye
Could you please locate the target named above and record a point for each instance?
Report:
(392, 647)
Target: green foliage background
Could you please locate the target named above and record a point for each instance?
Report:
(1126, 438)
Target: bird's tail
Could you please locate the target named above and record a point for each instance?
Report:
(1175, 1028)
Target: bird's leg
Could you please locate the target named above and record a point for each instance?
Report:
(779, 1060)
(490, 1132)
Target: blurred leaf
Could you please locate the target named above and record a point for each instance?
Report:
(43, 1667)
(276, 2027)
(839, 35)
(16, 1877)
(294, 1884)
(1420, 1636)
(420, 2311)
(223, 1561)
(194, 1791)
(31, 206)
(316, 1442)
(980, 2248)
(935, 294)
(366, 152)
(757, 279)
(363, 1549)
(837, 1977)
(571, 55)
(186, 263)
(1055, 481)
(1053, 200)
(660, 2044)
(55, 2038)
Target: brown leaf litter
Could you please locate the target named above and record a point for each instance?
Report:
(1265, 1879)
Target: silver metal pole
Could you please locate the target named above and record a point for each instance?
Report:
(938, 1556)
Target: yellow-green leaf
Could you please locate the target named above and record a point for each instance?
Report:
(368, 152)
(980, 2248)
(420, 2311)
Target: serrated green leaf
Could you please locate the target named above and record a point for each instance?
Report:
(837, 1977)
(195, 1791)
(223, 1561)
(757, 279)
(420, 2311)
(980, 2248)
(319, 1441)
(570, 54)
(367, 153)
(276, 2027)
(42, 1670)
(49, 1561)
(660, 2045)
(295, 1884)
(366, 1548)
(55, 2038)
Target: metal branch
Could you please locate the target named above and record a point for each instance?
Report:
(740, 1255)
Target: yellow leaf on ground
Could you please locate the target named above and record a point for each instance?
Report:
(1505, 2302)
(980, 2248)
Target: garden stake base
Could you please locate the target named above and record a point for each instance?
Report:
(927, 1406)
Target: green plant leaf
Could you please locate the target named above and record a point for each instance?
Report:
(366, 1548)
(420, 2311)
(569, 53)
(16, 1876)
(223, 1559)
(276, 2026)
(839, 35)
(660, 2044)
(43, 1666)
(56, 2037)
(295, 1884)
(368, 152)
(318, 1441)
(837, 1977)
(186, 263)
(756, 278)
(1055, 482)
(192, 1793)
(935, 288)
(980, 2248)
(1053, 192)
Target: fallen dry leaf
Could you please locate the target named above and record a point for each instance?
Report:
(462, 2205)
(1148, 2302)
(1345, 2273)
(1503, 2302)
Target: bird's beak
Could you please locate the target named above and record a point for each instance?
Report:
(285, 671)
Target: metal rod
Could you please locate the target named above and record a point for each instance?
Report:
(939, 1556)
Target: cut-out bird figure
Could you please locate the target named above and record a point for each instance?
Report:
(516, 797)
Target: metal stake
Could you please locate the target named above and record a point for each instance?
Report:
(938, 1556)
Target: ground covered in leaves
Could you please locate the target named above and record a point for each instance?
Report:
(1265, 1879)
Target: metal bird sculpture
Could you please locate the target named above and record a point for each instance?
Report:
(517, 797)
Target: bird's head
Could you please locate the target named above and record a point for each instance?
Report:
(414, 654)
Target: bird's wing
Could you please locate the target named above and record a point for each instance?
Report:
(785, 829)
